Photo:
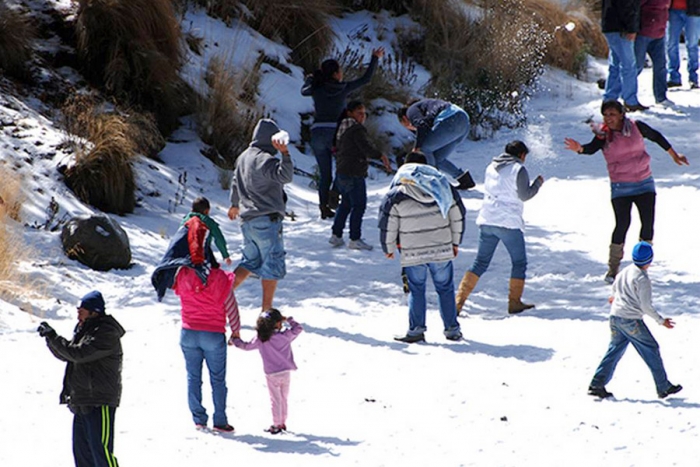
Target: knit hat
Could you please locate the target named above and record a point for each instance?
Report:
(642, 254)
(94, 302)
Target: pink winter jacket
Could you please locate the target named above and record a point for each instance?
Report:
(206, 308)
(626, 155)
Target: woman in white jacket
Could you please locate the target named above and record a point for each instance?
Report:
(507, 186)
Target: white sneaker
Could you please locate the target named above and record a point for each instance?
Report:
(359, 244)
(666, 103)
(336, 241)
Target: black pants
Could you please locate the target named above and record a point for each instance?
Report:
(93, 436)
(623, 215)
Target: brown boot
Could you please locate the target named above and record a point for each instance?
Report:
(614, 258)
(515, 293)
(465, 288)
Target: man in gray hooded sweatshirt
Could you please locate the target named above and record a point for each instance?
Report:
(257, 197)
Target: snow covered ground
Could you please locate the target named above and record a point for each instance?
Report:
(513, 393)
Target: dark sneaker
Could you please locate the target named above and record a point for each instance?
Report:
(599, 392)
(409, 339)
(274, 429)
(673, 84)
(454, 337)
(635, 107)
(224, 428)
(671, 390)
(466, 181)
(694, 86)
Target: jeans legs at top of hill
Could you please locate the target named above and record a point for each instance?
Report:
(322, 144)
(679, 21)
(622, 70)
(656, 48)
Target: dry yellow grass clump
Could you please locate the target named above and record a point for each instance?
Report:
(11, 250)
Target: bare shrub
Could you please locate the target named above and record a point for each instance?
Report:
(133, 49)
(301, 24)
(393, 79)
(16, 37)
(227, 114)
(11, 194)
(103, 175)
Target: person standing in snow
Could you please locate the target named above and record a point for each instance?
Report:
(274, 342)
(439, 127)
(426, 213)
(620, 24)
(257, 196)
(205, 308)
(201, 230)
(506, 187)
(629, 168)
(651, 40)
(92, 385)
(630, 301)
(329, 92)
(684, 17)
(353, 153)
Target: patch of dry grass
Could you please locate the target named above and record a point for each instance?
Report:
(11, 245)
(227, 114)
(16, 38)
(134, 50)
(396, 6)
(102, 174)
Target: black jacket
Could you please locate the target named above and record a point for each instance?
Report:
(94, 355)
(353, 151)
(422, 115)
(623, 16)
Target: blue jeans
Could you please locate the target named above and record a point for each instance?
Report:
(622, 70)
(443, 280)
(322, 146)
(197, 347)
(624, 331)
(93, 436)
(513, 239)
(442, 141)
(263, 248)
(353, 202)
(678, 21)
(656, 48)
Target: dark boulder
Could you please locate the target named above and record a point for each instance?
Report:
(98, 242)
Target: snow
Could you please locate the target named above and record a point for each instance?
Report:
(513, 393)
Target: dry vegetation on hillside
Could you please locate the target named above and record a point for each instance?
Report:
(16, 38)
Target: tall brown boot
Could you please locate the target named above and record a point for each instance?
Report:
(515, 293)
(614, 258)
(465, 288)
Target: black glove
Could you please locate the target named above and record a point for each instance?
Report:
(45, 330)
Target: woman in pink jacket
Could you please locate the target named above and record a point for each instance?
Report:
(629, 168)
(274, 341)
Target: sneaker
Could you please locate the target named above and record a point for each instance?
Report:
(673, 84)
(359, 244)
(200, 426)
(666, 103)
(224, 428)
(609, 279)
(466, 181)
(635, 107)
(454, 337)
(599, 392)
(694, 86)
(274, 429)
(336, 241)
(409, 339)
(674, 388)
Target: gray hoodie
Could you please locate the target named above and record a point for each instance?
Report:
(257, 187)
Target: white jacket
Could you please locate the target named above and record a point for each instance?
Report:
(502, 207)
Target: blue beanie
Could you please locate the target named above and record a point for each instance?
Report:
(642, 254)
(94, 302)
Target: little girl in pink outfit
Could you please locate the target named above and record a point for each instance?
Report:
(275, 346)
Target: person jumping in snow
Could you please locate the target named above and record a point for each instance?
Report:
(631, 300)
(274, 341)
(629, 168)
(507, 186)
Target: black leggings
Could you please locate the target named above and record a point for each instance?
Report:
(623, 215)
